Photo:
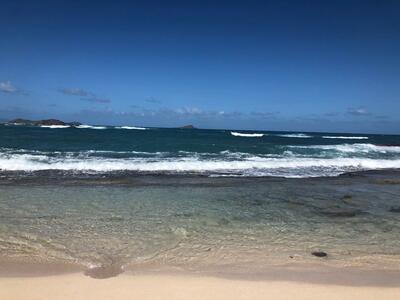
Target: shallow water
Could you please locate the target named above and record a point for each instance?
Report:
(197, 223)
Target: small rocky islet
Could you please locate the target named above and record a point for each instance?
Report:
(190, 126)
(45, 122)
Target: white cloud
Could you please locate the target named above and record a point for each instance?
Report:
(96, 99)
(75, 92)
(189, 111)
(85, 95)
(7, 87)
(361, 111)
(152, 100)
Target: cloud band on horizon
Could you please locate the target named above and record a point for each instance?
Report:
(84, 95)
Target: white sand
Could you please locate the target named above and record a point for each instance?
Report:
(165, 287)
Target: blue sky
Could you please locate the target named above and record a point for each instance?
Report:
(278, 65)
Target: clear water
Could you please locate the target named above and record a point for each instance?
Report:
(199, 222)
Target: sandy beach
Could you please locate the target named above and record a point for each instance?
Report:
(57, 282)
(200, 150)
(78, 286)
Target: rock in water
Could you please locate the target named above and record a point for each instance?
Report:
(104, 272)
(319, 254)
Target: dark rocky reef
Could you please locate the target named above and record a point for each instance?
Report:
(386, 181)
(46, 122)
(341, 213)
(395, 209)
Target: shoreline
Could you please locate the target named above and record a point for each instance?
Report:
(316, 274)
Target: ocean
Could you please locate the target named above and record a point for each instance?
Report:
(117, 198)
(206, 152)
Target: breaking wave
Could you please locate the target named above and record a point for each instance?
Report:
(223, 163)
(295, 135)
(55, 126)
(353, 148)
(130, 127)
(247, 134)
(90, 127)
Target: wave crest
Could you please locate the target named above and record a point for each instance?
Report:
(247, 134)
(243, 165)
(83, 126)
(352, 148)
(55, 126)
(130, 127)
(295, 135)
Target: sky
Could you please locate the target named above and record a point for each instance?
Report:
(329, 66)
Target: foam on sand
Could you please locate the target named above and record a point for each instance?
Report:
(247, 134)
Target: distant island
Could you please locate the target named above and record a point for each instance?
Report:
(190, 126)
(46, 122)
(56, 122)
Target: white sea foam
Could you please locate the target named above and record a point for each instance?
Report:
(158, 153)
(295, 135)
(254, 166)
(55, 126)
(353, 148)
(345, 137)
(247, 134)
(90, 127)
(130, 127)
